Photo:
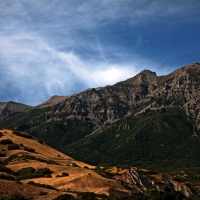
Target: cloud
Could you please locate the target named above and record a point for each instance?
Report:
(61, 47)
(37, 69)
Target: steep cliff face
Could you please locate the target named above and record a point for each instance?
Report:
(178, 89)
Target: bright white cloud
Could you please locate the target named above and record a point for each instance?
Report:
(52, 47)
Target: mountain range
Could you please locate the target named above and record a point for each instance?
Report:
(147, 121)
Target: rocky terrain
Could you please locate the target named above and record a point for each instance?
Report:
(11, 109)
(147, 120)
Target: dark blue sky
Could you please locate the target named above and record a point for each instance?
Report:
(60, 47)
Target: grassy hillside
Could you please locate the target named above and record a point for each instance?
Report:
(28, 163)
(161, 141)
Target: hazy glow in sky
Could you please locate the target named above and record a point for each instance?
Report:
(61, 47)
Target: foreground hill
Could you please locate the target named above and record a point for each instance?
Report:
(147, 121)
(26, 159)
(38, 171)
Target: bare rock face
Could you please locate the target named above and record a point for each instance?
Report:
(106, 104)
(144, 92)
(142, 180)
(10, 109)
(178, 89)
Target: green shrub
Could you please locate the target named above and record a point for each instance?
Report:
(44, 171)
(30, 172)
(13, 146)
(9, 159)
(42, 193)
(6, 169)
(64, 197)
(1, 134)
(87, 195)
(2, 154)
(64, 174)
(21, 134)
(26, 171)
(6, 141)
(29, 149)
(74, 165)
(7, 177)
(41, 185)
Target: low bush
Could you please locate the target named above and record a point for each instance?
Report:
(6, 141)
(64, 174)
(1, 134)
(26, 171)
(29, 149)
(21, 134)
(42, 193)
(64, 197)
(41, 185)
(6, 169)
(74, 165)
(9, 159)
(13, 146)
(2, 154)
(7, 177)
(30, 172)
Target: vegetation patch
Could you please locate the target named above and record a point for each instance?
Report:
(64, 197)
(15, 196)
(6, 141)
(30, 172)
(6, 169)
(9, 159)
(7, 177)
(42, 185)
(2, 154)
(21, 134)
(13, 146)
(1, 134)
(29, 149)
(26, 157)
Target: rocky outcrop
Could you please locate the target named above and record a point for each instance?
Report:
(141, 180)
